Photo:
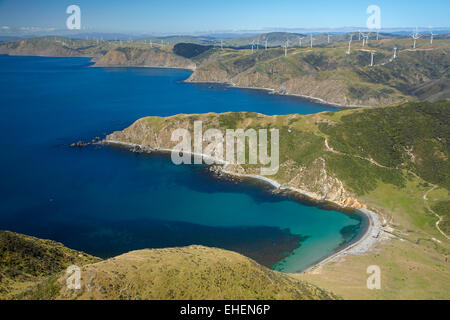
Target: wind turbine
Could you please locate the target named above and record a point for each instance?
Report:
(377, 35)
(266, 43)
(328, 37)
(285, 48)
(300, 41)
(415, 36)
(395, 52)
(311, 40)
(350, 44)
(252, 44)
(371, 58)
(365, 38)
(151, 44)
(221, 44)
(431, 36)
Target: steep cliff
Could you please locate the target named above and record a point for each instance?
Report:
(150, 57)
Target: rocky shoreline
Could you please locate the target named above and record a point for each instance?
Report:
(359, 246)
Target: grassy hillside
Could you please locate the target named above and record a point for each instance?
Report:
(329, 73)
(24, 260)
(193, 272)
(135, 56)
(31, 268)
(412, 136)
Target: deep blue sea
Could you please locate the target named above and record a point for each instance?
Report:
(106, 200)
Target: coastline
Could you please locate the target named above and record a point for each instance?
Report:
(224, 83)
(358, 246)
(95, 65)
(273, 91)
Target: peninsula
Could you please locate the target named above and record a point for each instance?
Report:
(388, 163)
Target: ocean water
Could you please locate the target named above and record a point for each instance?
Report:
(107, 200)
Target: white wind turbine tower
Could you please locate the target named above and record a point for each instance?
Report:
(415, 36)
(395, 52)
(311, 40)
(266, 43)
(359, 37)
(431, 36)
(377, 35)
(221, 44)
(300, 41)
(350, 44)
(285, 48)
(365, 38)
(252, 44)
(151, 44)
(371, 58)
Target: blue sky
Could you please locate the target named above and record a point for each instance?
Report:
(209, 15)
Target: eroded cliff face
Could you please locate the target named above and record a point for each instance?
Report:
(146, 58)
(314, 180)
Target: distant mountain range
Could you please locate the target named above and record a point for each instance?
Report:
(7, 33)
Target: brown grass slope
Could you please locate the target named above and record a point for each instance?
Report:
(193, 272)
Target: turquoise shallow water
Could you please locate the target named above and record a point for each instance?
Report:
(107, 201)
